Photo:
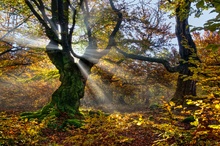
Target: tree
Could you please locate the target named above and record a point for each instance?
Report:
(208, 69)
(58, 19)
(187, 51)
(211, 24)
(144, 29)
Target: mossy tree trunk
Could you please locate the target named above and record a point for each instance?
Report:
(65, 101)
(67, 97)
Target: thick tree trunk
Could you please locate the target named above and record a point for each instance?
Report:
(187, 50)
(65, 101)
(67, 97)
(184, 87)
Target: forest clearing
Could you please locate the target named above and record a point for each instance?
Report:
(101, 124)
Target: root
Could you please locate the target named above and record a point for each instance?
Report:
(56, 118)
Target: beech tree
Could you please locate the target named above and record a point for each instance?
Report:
(181, 9)
(58, 18)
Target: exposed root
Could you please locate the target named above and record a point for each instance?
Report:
(55, 117)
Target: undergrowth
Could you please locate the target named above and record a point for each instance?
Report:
(151, 127)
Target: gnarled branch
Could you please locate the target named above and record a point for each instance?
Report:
(50, 33)
(115, 30)
(165, 63)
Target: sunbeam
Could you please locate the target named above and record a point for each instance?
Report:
(27, 41)
(98, 91)
(118, 70)
(93, 56)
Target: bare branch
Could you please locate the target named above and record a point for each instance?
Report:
(73, 21)
(117, 26)
(115, 30)
(92, 40)
(42, 8)
(165, 63)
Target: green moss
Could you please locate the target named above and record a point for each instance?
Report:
(188, 119)
(151, 118)
(73, 122)
(64, 106)
(46, 75)
(154, 106)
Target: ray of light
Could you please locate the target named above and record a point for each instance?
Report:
(27, 41)
(118, 70)
(98, 91)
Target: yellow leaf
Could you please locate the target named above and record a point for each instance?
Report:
(139, 123)
(195, 123)
(211, 96)
(26, 119)
(217, 106)
(172, 103)
(189, 102)
(214, 126)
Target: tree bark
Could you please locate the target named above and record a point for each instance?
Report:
(187, 49)
(67, 97)
(65, 101)
(184, 87)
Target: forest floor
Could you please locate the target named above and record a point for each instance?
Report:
(131, 127)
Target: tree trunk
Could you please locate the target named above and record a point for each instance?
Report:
(187, 50)
(65, 102)
(185, 87)
(67, 97)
